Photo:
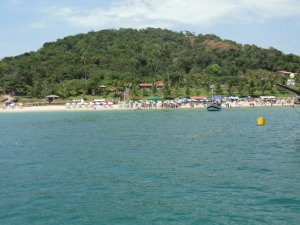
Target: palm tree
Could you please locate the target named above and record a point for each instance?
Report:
(84, 61)
(241, 86)
(251, 87)
(231, 83)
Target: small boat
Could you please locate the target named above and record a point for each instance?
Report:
(214, 107)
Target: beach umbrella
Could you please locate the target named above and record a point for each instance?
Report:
(183, 100)
(52, 96)
(216, 97)
(154, 98)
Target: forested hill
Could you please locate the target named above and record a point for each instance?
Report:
(122, 58)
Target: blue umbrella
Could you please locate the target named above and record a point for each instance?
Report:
(217, 97)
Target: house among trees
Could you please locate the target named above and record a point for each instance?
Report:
(290, 81)
(286, 73)
(148, 86)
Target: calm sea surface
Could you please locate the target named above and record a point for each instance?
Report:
(150, 167)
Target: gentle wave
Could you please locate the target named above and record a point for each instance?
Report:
(150, 167)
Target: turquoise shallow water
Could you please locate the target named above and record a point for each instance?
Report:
(150, 167)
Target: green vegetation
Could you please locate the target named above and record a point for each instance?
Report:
(120, 59)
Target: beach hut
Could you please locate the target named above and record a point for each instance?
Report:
(50, 98)
(268, 98)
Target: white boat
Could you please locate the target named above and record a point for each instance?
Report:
(214, 107)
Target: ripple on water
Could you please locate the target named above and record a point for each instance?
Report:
(150, 167)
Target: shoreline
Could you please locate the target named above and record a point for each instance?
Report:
(63, 108)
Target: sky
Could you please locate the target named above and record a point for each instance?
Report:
(27, 24)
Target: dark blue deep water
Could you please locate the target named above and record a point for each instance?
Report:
(150, 167)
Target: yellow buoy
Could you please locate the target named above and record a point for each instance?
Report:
(261, 121)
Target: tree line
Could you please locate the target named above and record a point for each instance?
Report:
(121, 59)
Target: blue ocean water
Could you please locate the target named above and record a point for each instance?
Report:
(150, 167)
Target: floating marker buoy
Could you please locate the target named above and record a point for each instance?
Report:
(261, 121)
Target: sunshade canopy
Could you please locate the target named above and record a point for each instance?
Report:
(52, 96)
(154, 98)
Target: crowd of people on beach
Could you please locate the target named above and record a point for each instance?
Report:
(178, 103)
(102, 104)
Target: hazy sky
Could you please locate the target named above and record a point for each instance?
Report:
(27, 24)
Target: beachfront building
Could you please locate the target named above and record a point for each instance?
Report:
(148, 86)
(290, 82)
(265, 99)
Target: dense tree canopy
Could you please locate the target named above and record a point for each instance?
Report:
(118, 59)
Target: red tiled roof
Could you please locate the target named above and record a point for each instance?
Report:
(145, 85)
(158, 84)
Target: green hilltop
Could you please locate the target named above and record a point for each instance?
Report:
(188, 64)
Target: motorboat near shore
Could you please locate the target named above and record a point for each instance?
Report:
(214, 107)
(215, 104)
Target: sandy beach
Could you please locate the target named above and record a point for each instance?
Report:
(64, 108)
(50, 108)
